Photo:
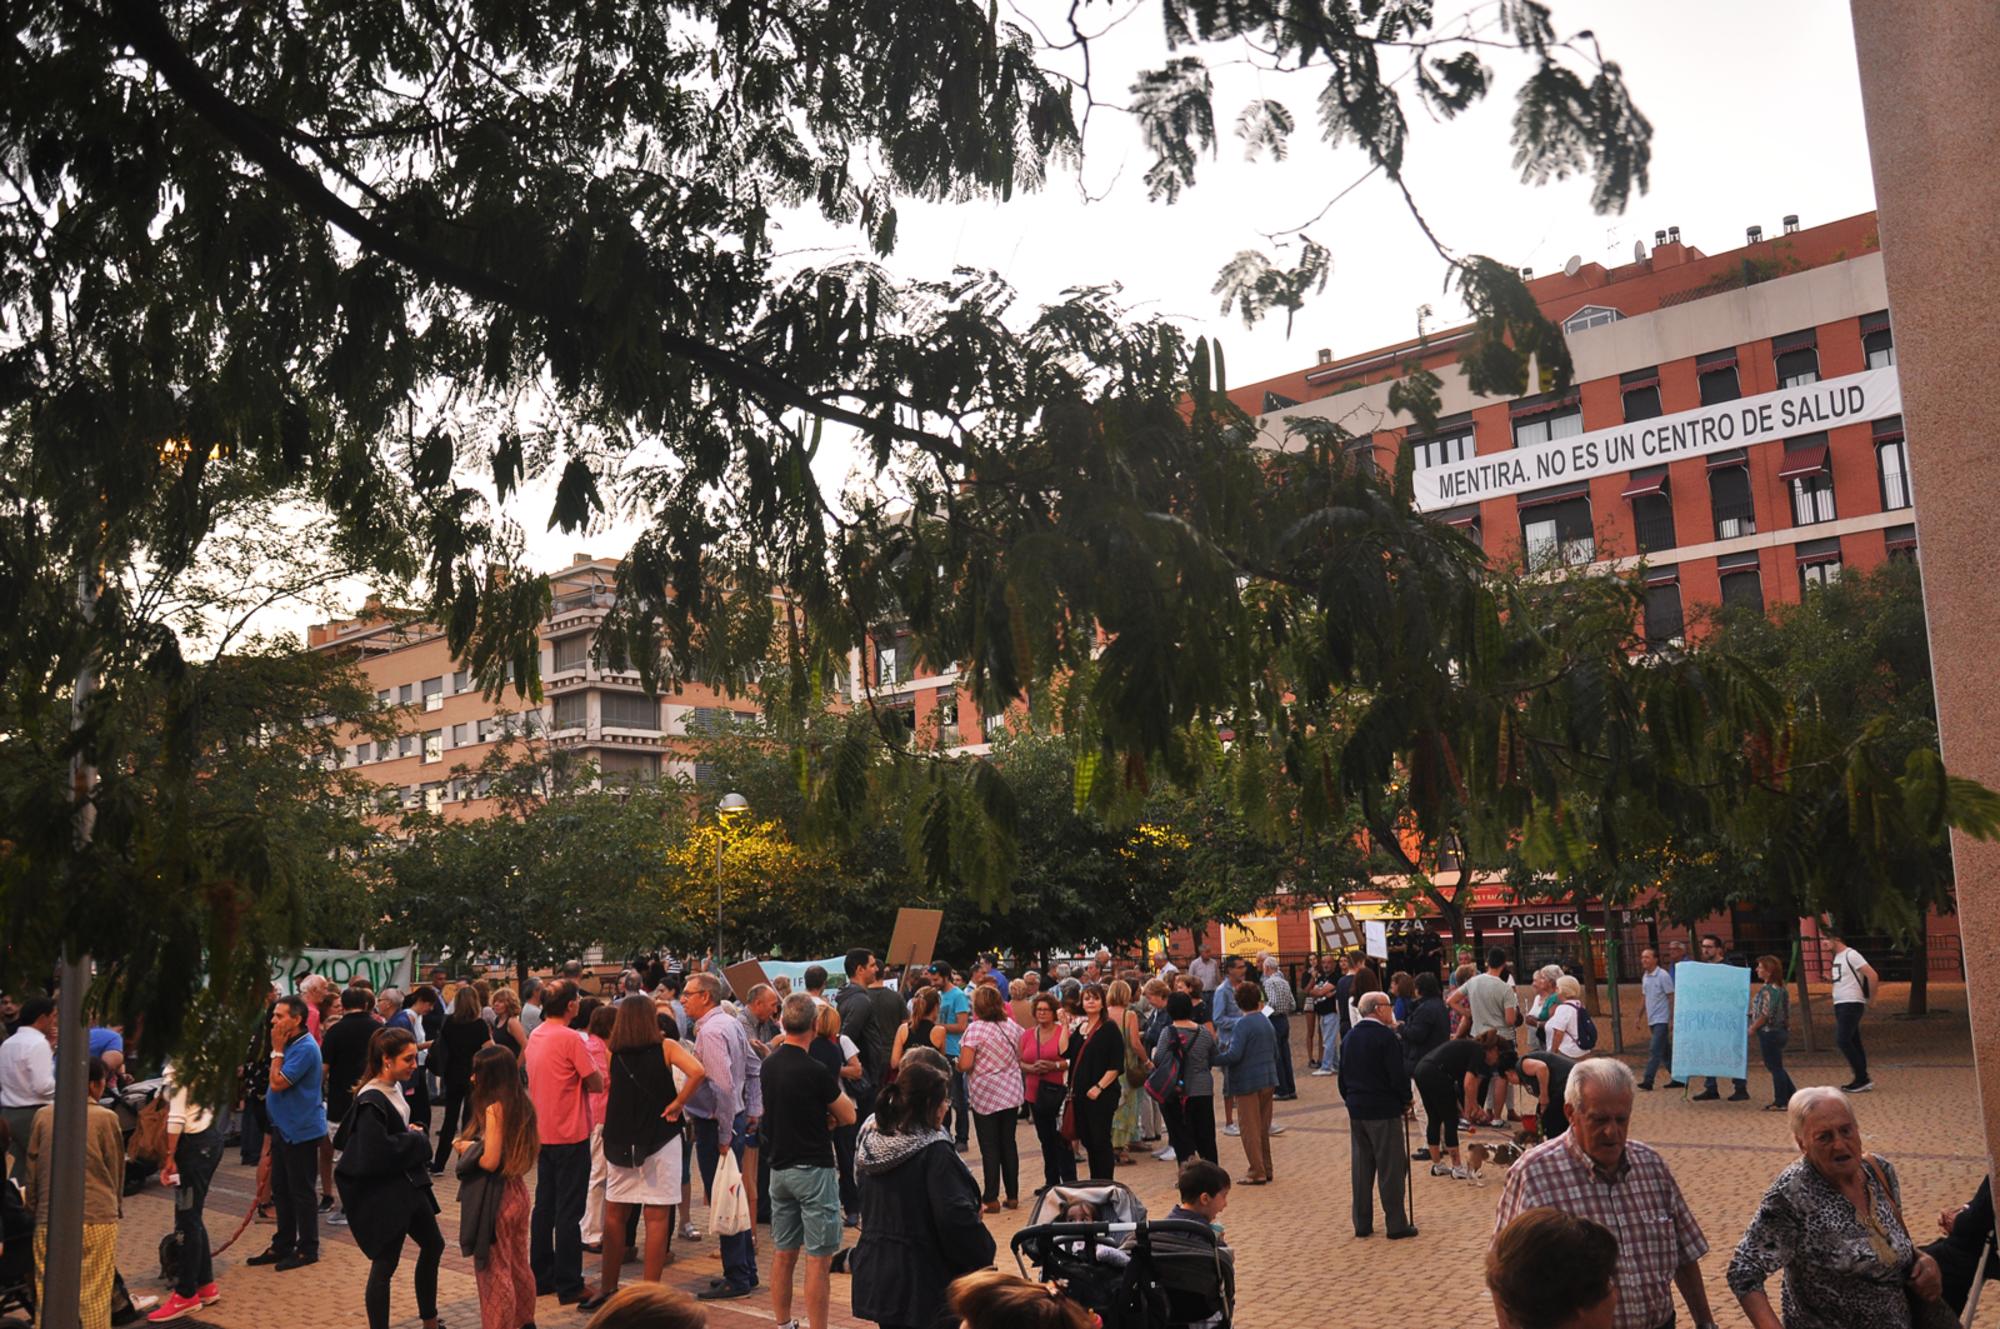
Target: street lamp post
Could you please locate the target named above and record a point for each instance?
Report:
(731, 807)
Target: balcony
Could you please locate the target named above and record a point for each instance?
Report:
(1655, 530)
(1734, 520)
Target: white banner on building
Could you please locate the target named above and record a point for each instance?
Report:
(1787, 413)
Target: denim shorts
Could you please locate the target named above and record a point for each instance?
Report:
(805, 1209)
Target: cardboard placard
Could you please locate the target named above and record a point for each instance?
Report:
(743, 977)
(1711, 1020)
(1339, 932)
(1378, 938)
(915, 938)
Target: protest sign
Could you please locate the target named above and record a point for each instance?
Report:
(1378, 938)
(1711, 1020)
(745, 976)
(1338, 931)
(382, 968)
(915, 938)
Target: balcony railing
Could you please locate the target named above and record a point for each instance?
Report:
(1733, 520)
(1655, 532)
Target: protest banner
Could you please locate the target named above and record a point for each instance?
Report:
(395, 967)
(836, 971)
(1711, 1020)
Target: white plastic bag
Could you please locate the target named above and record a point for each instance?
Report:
(729, 1206)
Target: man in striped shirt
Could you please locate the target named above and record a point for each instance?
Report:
(1593, 1171)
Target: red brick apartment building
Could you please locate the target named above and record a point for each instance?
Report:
(1734, 423)
(601, 711)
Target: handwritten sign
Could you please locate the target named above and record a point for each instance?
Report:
(390, 968)
(1378, 938)
(1711, 1020)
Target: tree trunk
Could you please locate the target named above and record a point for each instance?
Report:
(1920, 970)
(1613, 962)
(521, 977)
(1805, 996)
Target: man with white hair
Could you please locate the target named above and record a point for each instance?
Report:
(1280, 1004)
(1376, 1089)
(1594, 1171)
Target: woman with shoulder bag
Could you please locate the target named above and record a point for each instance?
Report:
(384, 1178)
(1099, 1050)
(642, 1146)
(1043, 1065)
(1189, 1112)
(458, 1042)
(1125, 1121)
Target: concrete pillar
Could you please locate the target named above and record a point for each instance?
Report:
(1933, 123)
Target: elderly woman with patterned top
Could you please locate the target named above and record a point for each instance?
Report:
(1832, 1223)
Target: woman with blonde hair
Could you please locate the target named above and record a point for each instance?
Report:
(1563, 1024)
(841, 1055)
(498, 1146)
(650, 1306)
(508, 1031)
(1125, 1121)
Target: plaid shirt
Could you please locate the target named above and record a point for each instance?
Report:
(1640, 1203)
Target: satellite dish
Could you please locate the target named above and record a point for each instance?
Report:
(1575, 262)
(1639, 251)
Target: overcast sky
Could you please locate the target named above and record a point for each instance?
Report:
(1756, 112)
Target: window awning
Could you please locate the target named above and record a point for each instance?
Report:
(1818, 551)
(1875, 322)
(1802, 462)
(1737, 562)
(1666, 576)
(1544, 406)
(1465, 516)
(1643, 484)
(1794, 341)
(1644, 378)
(1888, 427)
(1558, 494)
(1723, 460)
(1714, 360)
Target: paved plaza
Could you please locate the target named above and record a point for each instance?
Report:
(1297, 1260)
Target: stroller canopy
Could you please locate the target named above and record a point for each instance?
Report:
(1110, 1202)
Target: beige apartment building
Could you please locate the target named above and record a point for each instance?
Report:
(448, 724)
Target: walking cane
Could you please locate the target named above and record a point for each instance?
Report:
(1409, 1173)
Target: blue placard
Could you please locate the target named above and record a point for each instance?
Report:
(1711, 1020)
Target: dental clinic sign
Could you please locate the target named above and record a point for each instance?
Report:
(1734, 424)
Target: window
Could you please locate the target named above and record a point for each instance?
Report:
(385, 698)
(886, 662)
(433, 795)
(1443, 451)
(1464, 520)
(461, 681)
(947, 718)
(1591, 316)
(1901, 542)
(1652, 509)
(572, 710)
(488, 730)
(1876, 342)
(1729, 495)
(899, 723)
(406, 745)
(461, 735)
(571, 653)
(434, 693)
(1742, 583)
(1819, 564)
(629, 765)
(1665, 626)
(1546, 425)
(1642, 403)
(993, 726)
(408, 695)
(434, 746)
(1805, 471)
(364, 754)
(1797, 357)
(628, 710)
(1716, 372)
(1892, 461)
(1556, 529)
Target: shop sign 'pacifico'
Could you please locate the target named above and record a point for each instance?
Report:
(1786, 413)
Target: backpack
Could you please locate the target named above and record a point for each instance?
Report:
(1168, 1081)
(1586, 1028)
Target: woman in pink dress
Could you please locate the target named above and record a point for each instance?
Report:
(501, 1126)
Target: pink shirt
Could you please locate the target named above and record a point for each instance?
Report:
(994, 1082)
(1041, 1043)
(558, 1062)
(600, 1057)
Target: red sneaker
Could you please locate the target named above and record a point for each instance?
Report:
(210, 1294)
(174, 1307)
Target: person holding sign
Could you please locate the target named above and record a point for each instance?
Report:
(1712, 953)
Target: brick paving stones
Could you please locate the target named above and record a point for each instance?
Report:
(1298, 1264)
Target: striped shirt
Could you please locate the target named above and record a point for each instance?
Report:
(994, 1082)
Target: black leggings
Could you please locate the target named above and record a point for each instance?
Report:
(1093, 1127)
(1058, 1160)
(999, 1155)
(1440, 1109)
(382, 1270)
(455, 1096)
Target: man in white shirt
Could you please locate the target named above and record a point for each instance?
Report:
(1205, 967)
(1854, 981)
(27, 1077)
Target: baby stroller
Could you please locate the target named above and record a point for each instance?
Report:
(1131, 1273)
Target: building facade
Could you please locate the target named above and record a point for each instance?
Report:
(1733, 425)
(448, 727)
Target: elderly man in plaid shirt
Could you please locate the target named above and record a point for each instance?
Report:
(1594, 1172)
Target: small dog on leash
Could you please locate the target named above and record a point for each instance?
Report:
(1477, 1155)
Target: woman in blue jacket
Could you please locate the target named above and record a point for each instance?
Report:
(1249, 1057)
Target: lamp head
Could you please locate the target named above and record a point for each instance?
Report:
(732, 805)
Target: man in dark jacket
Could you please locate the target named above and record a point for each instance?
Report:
(1377, 1093)
(344, 1048)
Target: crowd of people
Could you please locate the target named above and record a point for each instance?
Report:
(819, 1110)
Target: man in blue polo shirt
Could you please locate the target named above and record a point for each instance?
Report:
(954, 1014)
(298, 1123)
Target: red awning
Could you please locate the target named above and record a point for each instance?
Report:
(1724, 460)
(1803, 462)
(1646, 483)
